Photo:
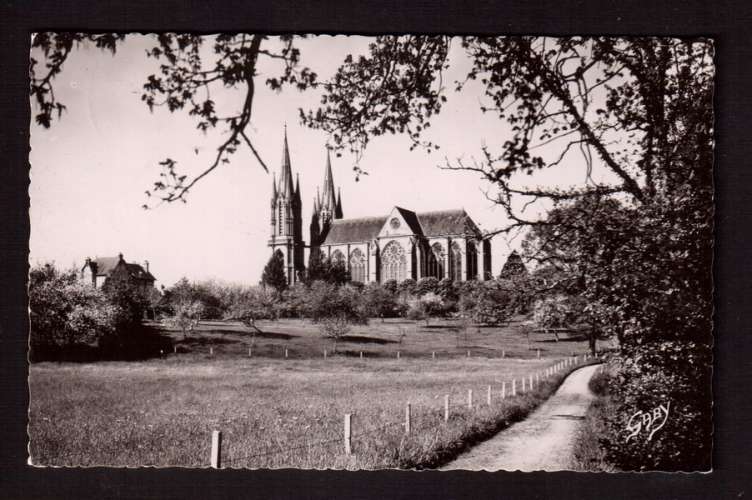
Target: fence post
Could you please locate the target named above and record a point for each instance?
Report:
(538, 353)
(537, 378)
(324, 353)
(433, 355)
(407, 418)
(522, 389)
(250, 352)
(361, 354)
(285, 352)
(211, 351)
(397, 354)
(470, 399)
(174, 349)
(503, 353)
(488, 396)
(446, 408)
(468, 354)
(216, 450)
(503, 390)
(514, 387)
(348, 433)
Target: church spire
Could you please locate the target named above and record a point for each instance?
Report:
(329, 198)
(338, 209)
(285, 177)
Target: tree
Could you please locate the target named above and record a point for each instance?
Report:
(379, 302)
(335, 327)
(513, 267)
(187, 78)
(274, 272)
(186, 317)
(65, 312)
(425, 307)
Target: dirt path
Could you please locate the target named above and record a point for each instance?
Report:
(544, 440)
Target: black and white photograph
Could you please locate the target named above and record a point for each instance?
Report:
(419, 252)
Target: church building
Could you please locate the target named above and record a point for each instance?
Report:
(399, 245)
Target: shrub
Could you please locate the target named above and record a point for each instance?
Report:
(426, 285)
(407, 286)
(425, 307)
(335, 327)
(65, 312)
(391, 286)
(492, 304)
(671, 373)
(379, 301)
(186, 317)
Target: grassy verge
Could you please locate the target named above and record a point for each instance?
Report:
(589, 456)
(272, 413)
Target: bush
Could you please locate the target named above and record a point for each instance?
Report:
(426, 285)
(186, 317)
(65, 313)
(327, 300)
(425, 307)
(676, 374)
(492, 304)
(379, 302)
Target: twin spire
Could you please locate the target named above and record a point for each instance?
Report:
(327, 204)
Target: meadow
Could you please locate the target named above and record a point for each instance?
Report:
(288, 412)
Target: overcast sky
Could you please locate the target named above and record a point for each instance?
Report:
(90, 170)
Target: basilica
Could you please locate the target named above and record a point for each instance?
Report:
(399, 245)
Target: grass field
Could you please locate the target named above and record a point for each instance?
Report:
(277, 412)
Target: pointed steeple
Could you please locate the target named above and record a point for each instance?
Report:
(338, 209)
(285, 177)
(329, 199)
(274, 188)
(297, 187)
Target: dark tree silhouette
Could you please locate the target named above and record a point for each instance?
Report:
(274, 272)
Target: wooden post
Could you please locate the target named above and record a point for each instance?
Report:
(285, 352)
(324, 353)
(470, 399)
(522, 389)
(446, 408)
(503, 353)
(407, 418)
(537, 378)
(503, 390)
(348, 434)
(468, 354)
(250, 352)
(531, 382)
(174, 349)
(538, 353)
(211, 351)
(216, 450)
(514, 387)
(433, 355)
(361, 354)
(488, 396)
(397, 354)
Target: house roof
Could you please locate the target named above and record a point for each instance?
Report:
(104, 266)
(429, 224)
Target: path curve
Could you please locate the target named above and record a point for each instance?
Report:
(544, 440)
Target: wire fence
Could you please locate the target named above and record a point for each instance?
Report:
(417, 418)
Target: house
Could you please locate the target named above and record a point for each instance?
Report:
(103, 270)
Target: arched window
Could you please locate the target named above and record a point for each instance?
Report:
(435, 261)
(357, 266)
(455, 256)
(472, 261)
(393, 262)
(338, 257)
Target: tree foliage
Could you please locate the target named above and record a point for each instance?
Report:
(274, 274)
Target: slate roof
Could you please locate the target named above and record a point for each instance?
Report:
(429, 224)
(105, 265)
(354, 230)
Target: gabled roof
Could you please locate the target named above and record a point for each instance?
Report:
(104, 266)
(429, 224)
(354, 230)
(411, 219)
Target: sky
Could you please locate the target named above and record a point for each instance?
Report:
(90, 170)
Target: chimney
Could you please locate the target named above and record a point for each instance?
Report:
(146, 265)
(120, 256)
